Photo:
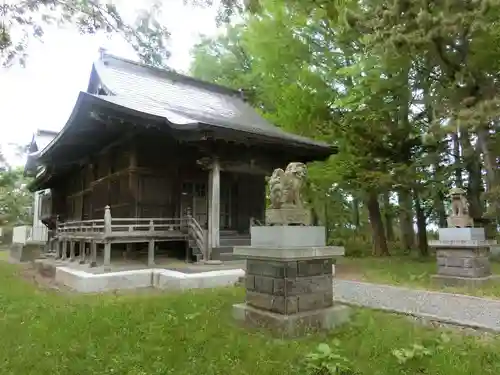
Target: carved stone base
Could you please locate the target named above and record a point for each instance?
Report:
(288, 216)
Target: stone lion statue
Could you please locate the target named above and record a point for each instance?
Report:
(459, 204)
(286, 186)
(459, 215)
(275, 188)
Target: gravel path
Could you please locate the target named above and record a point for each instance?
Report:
(445, 307)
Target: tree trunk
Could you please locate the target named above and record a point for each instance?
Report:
(439, 199)
(473, 166)
(492, 176)
(355, 213)
(379, 239)
(389, 225)
(406, 219)
(457, 163)
(423, 246)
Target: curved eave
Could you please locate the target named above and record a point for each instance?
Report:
(311, 150)
(314, 149)
(39, 180)
(74, 113)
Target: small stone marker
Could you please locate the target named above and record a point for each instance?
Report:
(289, 276)
(462, 252)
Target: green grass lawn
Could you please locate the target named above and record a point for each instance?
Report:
(407, 271)
(42, 332)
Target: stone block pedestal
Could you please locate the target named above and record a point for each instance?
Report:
(462, 262)
(290, 290)
(26, 252)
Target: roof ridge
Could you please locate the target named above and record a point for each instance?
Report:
(173, 75)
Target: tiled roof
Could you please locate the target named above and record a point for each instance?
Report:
(183, 100)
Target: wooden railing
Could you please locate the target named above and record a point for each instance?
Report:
(197, 234)
(113, 227)
(136, 227)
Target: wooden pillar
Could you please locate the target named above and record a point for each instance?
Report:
(58, 244)
(132, 179)
(151, 246)
(213, 207)
(107, 232)
(72, 256)
(151, 253)
(82, 252)
(128, 251)
(64, 249)
(93, 254)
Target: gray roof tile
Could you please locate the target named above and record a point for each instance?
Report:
(184, 100)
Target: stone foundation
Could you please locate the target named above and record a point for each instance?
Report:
(25, 252)
(85, 282)
(472, 262)
(468, 282)
(292, 325)
(289, 287)
(464, 261)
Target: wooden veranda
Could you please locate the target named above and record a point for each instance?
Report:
(89, 234)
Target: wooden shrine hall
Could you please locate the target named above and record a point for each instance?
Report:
(149, 156)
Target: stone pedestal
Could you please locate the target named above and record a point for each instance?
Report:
(289, 290)
(462, 257)
(26, 252)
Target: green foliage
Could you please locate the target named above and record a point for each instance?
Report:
(25, 20)
(15, 199)
(414, 352)
(407, 91)
(194, 333)
(326, 360)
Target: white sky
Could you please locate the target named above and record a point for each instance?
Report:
(42, 95)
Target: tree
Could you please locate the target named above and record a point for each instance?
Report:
(15, 199)
(24, 20)
(298, 88)
(407, 91)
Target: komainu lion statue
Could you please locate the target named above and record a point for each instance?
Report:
(275, 188)
(459, 204)
(286, 186)
(459, 215)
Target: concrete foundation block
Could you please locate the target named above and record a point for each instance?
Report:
(288, 236)
(292, 325)
(270, 254)
(461, 234)
(94, 283)
(174, 280)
